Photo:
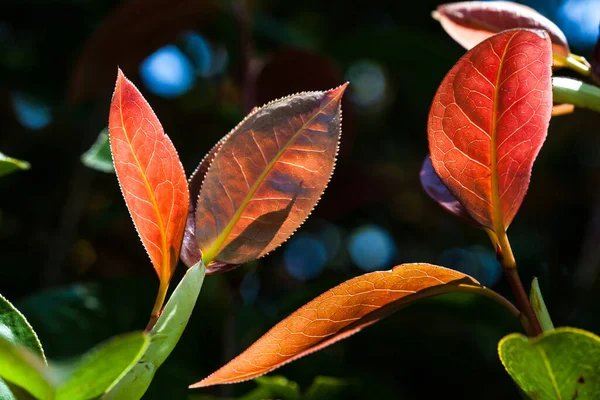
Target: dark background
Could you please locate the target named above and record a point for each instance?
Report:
(69, 254)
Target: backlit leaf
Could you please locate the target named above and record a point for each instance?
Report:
(163, 338)
(190, 252)
(560, 364)
(98, 156)
(488, 121)
(471, 22)
(150, 174)
(267, 177)
(9, 165)
(337, 314)
(436, 189)
(20, 366)
(102, 366)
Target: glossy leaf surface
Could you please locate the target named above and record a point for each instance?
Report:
(436, 189)
(559, 364)
(15, 329)
(163, 338)
(23, 368)
(151, 176)
(488, 121)
(471, 22)
(98, 156)
(267, 177)
(337, 314)
(9, 165)
(102, 366)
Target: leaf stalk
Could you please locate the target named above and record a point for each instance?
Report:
(506, 258)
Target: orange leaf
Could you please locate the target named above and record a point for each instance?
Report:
(488, 121)
(337, 314)
(151, 176)
(267, 177)
(471, 22)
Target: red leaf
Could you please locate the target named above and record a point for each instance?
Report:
(436, 189)
(488, 121)
(339, 313)
(267, 177)
(151, 176)
(471, 22)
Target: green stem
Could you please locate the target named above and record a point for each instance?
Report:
(572, 91)
(573, 61)
(158, 304)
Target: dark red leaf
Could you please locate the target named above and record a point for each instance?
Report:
(471, 22)
(267, 177)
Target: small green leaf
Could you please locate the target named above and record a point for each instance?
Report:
(163, 337)
(15, 329)
(102, 366)
(20, 366)
(9, 165)
(539, 306)
(279, 387)
(325, 388)
(99, 156)
(559, 364)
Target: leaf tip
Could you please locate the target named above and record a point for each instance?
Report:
(339, 91)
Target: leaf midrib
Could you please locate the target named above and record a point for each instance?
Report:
(209, 254)
(544, 358)
(497, 216)
(161, 227)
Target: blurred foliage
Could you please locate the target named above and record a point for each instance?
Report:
(72, 262)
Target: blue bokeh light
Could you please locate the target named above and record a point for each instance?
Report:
(168, 72)
(476, 261)
(249, 287)
(200, 51)
(31, 113)
(305, 257)
(579, 20)
(371, 248)
(368, 83)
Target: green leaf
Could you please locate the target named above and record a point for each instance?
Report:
(102, 366)
(9, 165)
(20, 366)
(15, 329)
(279, 387)
(99, 156)
(325, 388)
(539, 306)
(559, 364)
(163, 337)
